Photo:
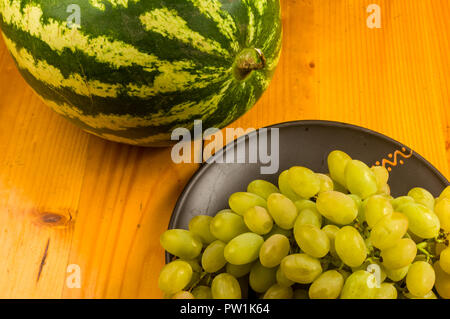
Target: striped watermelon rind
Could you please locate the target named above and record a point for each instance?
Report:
(137, 69)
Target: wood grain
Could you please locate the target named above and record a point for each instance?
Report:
(70, 198)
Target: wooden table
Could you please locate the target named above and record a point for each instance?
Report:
(70, 198)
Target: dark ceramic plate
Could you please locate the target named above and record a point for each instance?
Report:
(305, 143)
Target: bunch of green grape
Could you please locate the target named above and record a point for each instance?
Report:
(318, 236)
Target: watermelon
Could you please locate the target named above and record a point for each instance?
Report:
(132, 71)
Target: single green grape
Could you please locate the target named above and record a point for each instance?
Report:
(312, 240)
(337, 162)
(386, 291)
(360, 179)
(309, 216)
(239, 271)
(282, 210)
(350, 246)
(273, 250)
(381, 176)
(399, 201)
(400, 255)
(243, 249)
(389, 230)
(278, 230)
(376, 207)
(301, 268)
(213, 259)
(444, 261)
(445, 194)
(301, 294)
(282, 279)
(326, 183)
(331, 231)
(200, 226)
(396, 274)
(360, 285)
(423, 222)
(279, 292)
(285, 188)
(422, 196)
(327, 286)
(420, 278)
(262, 188)
(262, 278)
(385, 190)
(337, 207)
(442, 284)
(226, 226)
(240, 202)
(302, 204)
(181, 243)
(258, 220)
(202, 292)
(183, 295)
(175, 276)
(303, 181)
(225, 286)
(442, 210)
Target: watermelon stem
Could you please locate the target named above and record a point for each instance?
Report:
(247, 61)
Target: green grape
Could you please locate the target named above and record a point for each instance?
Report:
(309, 216)
(389, 230)
(212, 258)
(442, 210)
(202, 292)
(262, 278)
(200, 226)
(181, 243)
(422, 196)
(445, 194)
(442, 281)
(301, 294)
(277, 230)
(400, 255)
(183, 295)
(225, 286)
(360, 179)
(282, 210)
(258, 220)
(360, 285)
(337, 162)
(385, 190)
(376, 207)
(239, 271)
(196, 270)
(331, 231)
(423, 222)
(301, 268)
(386, 291)
(274, 249)
(285, 188)
(326, 183)
(350, 246)
(399, 201)
(175, 276)
(312, 240)
(279, 292)
(429, 295)
(243, 249)
(444, 261)
(337, 207)
(302, 204)
(282, 279)
(381, 176)
(396, 274)
(240, 202)
(327, 286)
(357, 199)
(262, 188)
(420, 278)
(226, 226)
(303, 181)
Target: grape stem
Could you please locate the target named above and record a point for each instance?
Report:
(422, 247)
